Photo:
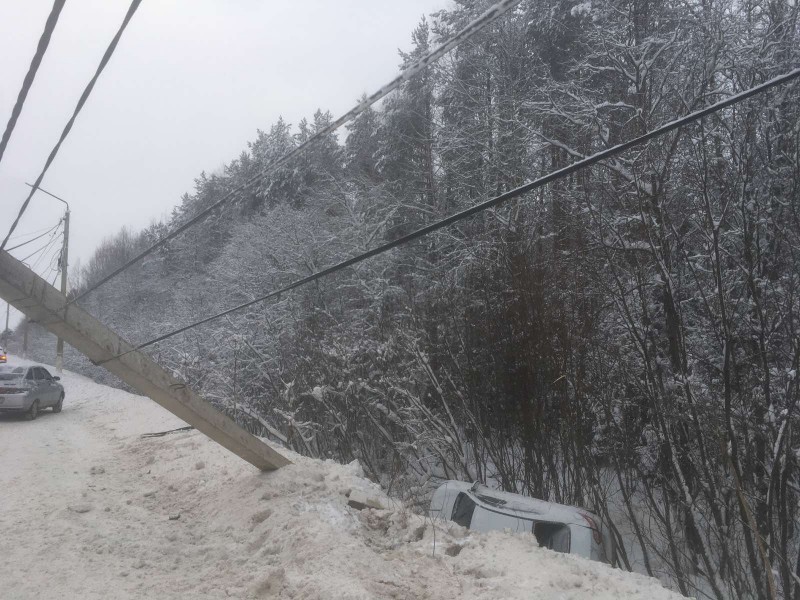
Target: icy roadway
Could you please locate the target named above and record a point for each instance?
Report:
(91, 510)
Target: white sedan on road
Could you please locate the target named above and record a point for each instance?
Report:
(28, 389)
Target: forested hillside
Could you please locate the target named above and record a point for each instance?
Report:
(626, 339)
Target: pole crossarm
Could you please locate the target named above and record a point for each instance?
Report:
(44, 304)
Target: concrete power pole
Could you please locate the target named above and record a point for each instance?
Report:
(64, 261)
(45, 305)
(4, 336)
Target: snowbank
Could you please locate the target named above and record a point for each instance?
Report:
(92, 510)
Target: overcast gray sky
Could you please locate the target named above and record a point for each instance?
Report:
(188, 86)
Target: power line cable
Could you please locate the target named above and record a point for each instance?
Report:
(26, 234)
(54, 270)
(53, 240)
(55, 258)
(36, 238)
(22, 260)
(492, 202)
(495, 12)
(85, 96)
(46, 269)
(43, 255)
(41, 48)
(46, 246)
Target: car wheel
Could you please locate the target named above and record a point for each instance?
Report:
(57, 406)
(34, 411)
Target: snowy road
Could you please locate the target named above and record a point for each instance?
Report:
(90, 510)
(55, 468)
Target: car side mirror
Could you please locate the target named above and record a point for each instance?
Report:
(56, 378)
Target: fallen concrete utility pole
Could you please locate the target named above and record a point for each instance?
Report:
(41, 302)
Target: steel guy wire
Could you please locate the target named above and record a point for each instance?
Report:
(490, 203)
(81, 101)
(496, 11)
(41, 48)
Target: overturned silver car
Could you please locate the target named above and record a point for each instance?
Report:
(558, 527)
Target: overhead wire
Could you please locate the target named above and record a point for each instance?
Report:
(45, 247)
(35, 252)
(36, 238)
(53, 240)
(490, 203)
(44, 250)
(489, 16)
(68, 127)
(53, 243)
(55, 270)
(27, 83)
(55, 259)
(27, 233)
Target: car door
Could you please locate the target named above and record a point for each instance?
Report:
(32, 382)
(45, 383)
(54, 389)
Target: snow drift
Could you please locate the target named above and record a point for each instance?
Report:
(92, 510)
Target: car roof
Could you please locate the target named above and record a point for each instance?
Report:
(521, 506)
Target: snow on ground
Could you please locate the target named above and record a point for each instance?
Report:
(90, 510)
